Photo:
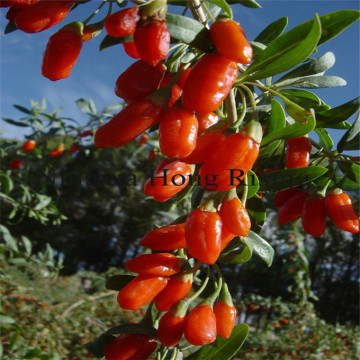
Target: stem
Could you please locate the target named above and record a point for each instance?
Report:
(95, 12)
(251, 97)
(231, 108)
(208, 12)
(201, 289)
(328, 153)
(245, 193)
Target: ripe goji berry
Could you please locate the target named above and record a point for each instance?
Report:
(171, 329)
(159, 264)
(17, 7)
(74, 148)
(143, 139)
(226, 237)
(131, 50)
(234, 215)
(208, 83)
(339, 207)
(292, 208)
(138, 81)
(130, 346)
(168, 181)
(233, 159)
(15, 164)
(61, 53)
(123, 22)
(152, 154)
(225, 314)
(314, 216)
(206, 144)
(7, 3)
(176, 91)
(29, 145)
(152, 41)
(85, 133)
(283, 195)
(200, 327)
(298, 152)
(206, 120)
(129, 123)
(177, 288)
(166, 238)
(230, 40)
(141, 290)
(178, 132)
(42, 15)
(183, 77)
(203, 235)
(59, 150)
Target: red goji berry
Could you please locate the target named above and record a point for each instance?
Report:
(178, 132)
(28, 145)
(283, 195)
(131, 50)
(206, 120)
(208, 83)
(74, 148)
(8, 3)
(130, 346)
(59, 150)
(183, 77)
(339, 207)
(15, 164)
(298, 152)
(42, 15)
(143, 139)
(123, 22)
(152, 154)
(85, 133)
(152, 41)
(176, 91)
(141, 290)
(314, 217)
(203, 235)
(234, 215)
(200, 327)
(17, 7)
(168, 181)
(166, 238)
(160, 264)
(292, 208)
(230, 41)
(61, 53)
(171, 329)
(226, 237)
(129, 123)
(139, 81)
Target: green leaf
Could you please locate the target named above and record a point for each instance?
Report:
(27, 244)
(252, 184)
(238, 256)
(260, 246)
(222, 349)
(13, 122)
(17, 261)
(9, 240)
(272, 31)
(189, 31)
(318, 82)
(44, 201)
(117, 282)
(13, 339)
(22, 109)
(285, 52)
(291, 131)
(325, 139)
(6, 320)
(196, 197)
(32, 353)
(10, 27)
(248, 3)
(6, 183)
(338, 114)
(350, 140)
(351, 171)
(224, 7)
(304, 98)
(257, 212)
(109, 41)
(86, 106)
(313, 67)
(284, 179)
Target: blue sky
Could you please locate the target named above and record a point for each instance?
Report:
(95, 73)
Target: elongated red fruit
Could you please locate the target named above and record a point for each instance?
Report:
(123, 22)
(129, 123)
(171, 329)
(298, 152)
(208, 83)
(314, 217)
(292, 208)
(225, 318)
(166, 238)
(283, 195)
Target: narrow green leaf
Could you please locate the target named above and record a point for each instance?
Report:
(117, 282)
(224, 6)
(277, 119)
(27, 244)
(109, 41)
(44, 201)
(313, 67)
(272, 31)
(9, 240)
(350, 140)
(350, 170)
(285, 52)
(16, 123)
(86, 106)
(304, 98)
(248, 3)
(13, 339)
(222, 349)
(318, 82)
(10, 27)
(32, 353)
(338, 114)
(6, 320)
(260, 247)
(325, 139)
(189, 31)
(22, 109)
(283, 179)
(257, 212)
(6, 183)
(239, 256)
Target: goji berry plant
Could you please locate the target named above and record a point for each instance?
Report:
(224, 113)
